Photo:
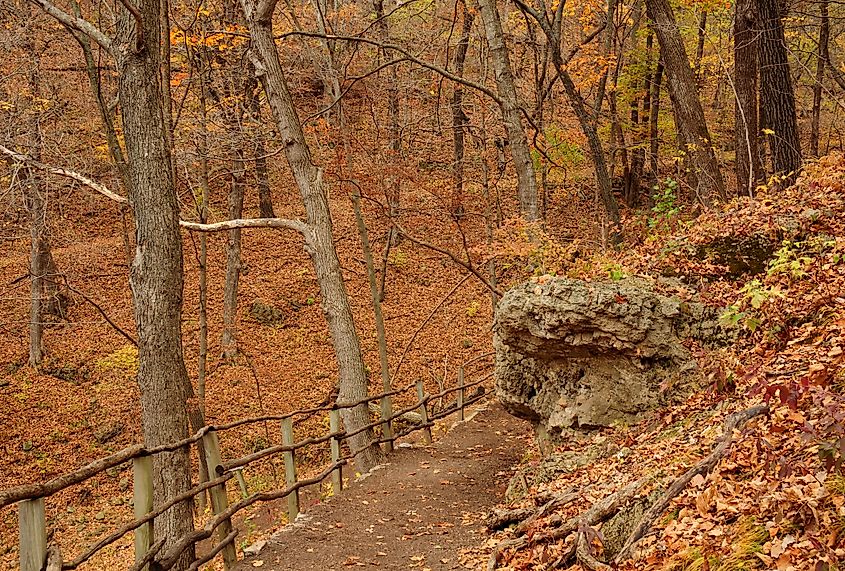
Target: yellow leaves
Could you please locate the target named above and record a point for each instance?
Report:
(231, 37)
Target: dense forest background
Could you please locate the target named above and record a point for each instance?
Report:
(212, 210)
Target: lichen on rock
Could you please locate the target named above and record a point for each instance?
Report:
(574, 355)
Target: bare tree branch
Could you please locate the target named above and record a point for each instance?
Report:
(297, 225)
(79, 24)
(93, 185)
(399, 49)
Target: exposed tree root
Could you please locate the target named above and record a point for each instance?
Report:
(500, 519)
(584, 555)
(606, 508)
(601, 511)
(733, 422)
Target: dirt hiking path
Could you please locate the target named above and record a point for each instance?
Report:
(416, 512)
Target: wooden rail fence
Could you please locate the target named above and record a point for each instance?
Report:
(36, 554)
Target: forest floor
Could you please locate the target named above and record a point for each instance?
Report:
(419, 511)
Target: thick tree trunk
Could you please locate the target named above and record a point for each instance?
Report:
(156, 273)
(821, 62)
(748, 171)
(689, 112)
(320, 244)
(460, 121)
(500, 60)
(777, 96)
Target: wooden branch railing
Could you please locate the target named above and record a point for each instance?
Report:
(31, 497)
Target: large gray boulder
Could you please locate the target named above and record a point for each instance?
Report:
(573, 355)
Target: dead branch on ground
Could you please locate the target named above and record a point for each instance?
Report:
(734, 422)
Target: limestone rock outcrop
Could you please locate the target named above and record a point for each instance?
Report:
(573, 355)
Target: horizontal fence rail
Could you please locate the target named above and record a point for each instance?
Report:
(31, 497)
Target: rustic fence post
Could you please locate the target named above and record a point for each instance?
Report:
(461, 392)
(219, 501)
(337, 473)
(239, 476)
(290, 468)
(142, 496)
(32, 527)
(423, 412)
(387, 427)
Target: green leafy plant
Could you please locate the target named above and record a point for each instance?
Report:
(666, 205)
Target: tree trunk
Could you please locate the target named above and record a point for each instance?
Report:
(37, 263)
(690, 114)
(748, 171)
(320, 243)
(156, 275)
(586, 120)
(228, 341)
(777, 96)
(39, 249)
(262, 177)
(821, 62)
(509, 103)
(653, 118)
(645, 119)
(699, 47)
(394, 134)
(596, 150)
(460, 121)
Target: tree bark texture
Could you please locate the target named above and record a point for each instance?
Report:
(748, 171)
(320, 244)
(262, 178)
(156, 275)
(777, 96)
(460, 121)
(500, 61)
(228, 340)
(689, 112)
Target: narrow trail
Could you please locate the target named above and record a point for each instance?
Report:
(416, 512)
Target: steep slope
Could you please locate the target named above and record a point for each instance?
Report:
(744, 485)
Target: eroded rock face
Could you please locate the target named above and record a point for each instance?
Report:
(572, 355)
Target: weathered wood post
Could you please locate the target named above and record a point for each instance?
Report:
(290, 468)
(461, 392)
(32, 527)
(337, 473)
(387, 427)
(219, 501)
(239, 476)
(423, 412)
(142, 494)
